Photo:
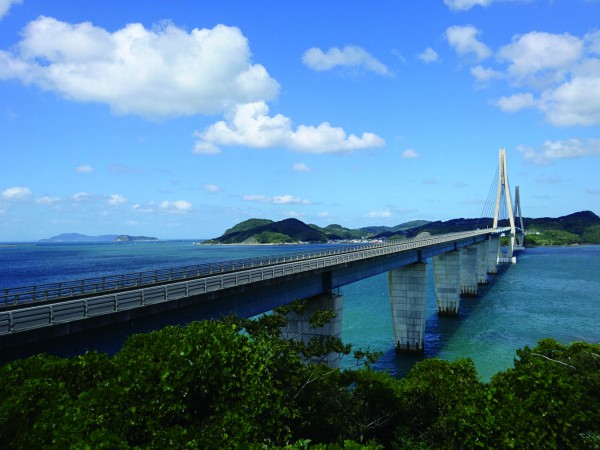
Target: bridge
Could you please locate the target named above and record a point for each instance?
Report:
(50, 314)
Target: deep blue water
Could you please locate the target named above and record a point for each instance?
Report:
(550, 292)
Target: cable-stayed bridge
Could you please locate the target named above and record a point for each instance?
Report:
(82, 311)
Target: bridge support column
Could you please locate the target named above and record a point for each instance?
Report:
(482, 262)
(468, 270)
(493, 248)
(446, 275)
(408, 287)
(298, 326)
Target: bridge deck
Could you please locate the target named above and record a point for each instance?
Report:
(25, 316)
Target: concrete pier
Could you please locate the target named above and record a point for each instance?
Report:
(408, 288)
(446, 274)
(493, 249)
(468, 270)
(298, 326)
(482, 262)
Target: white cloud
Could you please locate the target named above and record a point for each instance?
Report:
(379, 214)
(250, 125)
(561, 71)
(484, 75)
(429, 55)
(159, 72)
(576, 102)
(409, 153)
(179, 206)
(116, 199)
(463, 5)
(16, 193)
(463, 39)
(300, 167)
(5, 5)
(555, 150)
(278, 199)
(47, 200)
(84, 169)
(80, 196)
(211, 188)
(537, 53)
(144, 208)
(516, 102)
(351, 56)
(593, 42)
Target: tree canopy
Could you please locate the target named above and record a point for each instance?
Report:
(237, 383)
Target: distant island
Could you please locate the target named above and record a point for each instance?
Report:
(76, 237)
(577, 228)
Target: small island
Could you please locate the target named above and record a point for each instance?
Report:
(81, 238)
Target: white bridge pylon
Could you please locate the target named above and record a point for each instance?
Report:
(516, 240)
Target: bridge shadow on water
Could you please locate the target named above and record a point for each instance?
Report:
(439, 330)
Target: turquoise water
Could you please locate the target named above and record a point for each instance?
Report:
(550, 292)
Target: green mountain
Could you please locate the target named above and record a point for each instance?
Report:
(335, 232)
(247, 225)
(578, 228)
(269, 232)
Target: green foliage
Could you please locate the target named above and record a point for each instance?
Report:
(551, 237)
(236, 383)
(268, 237)
(591, 235)
(248, 225)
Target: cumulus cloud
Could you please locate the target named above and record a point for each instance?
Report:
(536, 54)
(464, 40)
(5, 5)
(351, 56)
(116, 199)
(556, 150)
(576, 102)
(463, 5)
(159, 72)
(16, 193)
(84, 169)
(558, 74)
(300, 167)
(277, 200)
(428, 56)
(176, 207)
(409, 153)
(485, 75)
(47, 200)
(250, 125)
(516, 102)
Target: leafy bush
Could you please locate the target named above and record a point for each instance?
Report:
(236, 383)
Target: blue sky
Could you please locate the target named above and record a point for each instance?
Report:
(183, 118)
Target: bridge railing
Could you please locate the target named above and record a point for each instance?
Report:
(111, 283)
(97, 285)
(77, 309)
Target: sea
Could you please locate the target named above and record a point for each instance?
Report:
(550, 292)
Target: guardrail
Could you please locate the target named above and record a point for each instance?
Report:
(55, 313)
(98, 285)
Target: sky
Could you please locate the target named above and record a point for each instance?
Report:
(178, 119)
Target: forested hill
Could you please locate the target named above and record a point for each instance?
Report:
(262, 231)
(577, 228)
